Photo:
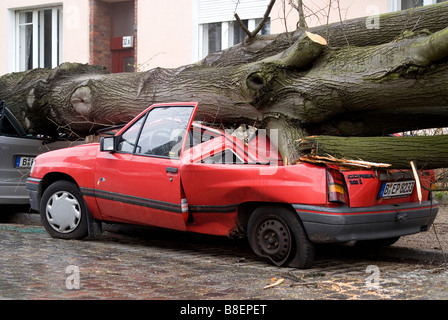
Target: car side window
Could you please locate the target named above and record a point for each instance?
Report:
(128, 139)
(163, 132)
(158, 133)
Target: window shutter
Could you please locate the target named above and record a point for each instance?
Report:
(210, 11)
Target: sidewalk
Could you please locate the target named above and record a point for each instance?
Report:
(429, 246)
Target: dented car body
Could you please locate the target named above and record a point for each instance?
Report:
(164, 170)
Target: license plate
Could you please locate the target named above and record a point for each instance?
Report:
(24, 162)
(396, 189)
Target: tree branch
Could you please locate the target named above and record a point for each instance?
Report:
(260, 25)
(299, 7)
(433, 48)
(305, 50)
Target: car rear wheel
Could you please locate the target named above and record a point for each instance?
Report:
(277, 233)
(63, 211)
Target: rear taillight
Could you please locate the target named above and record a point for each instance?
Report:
(336, 190)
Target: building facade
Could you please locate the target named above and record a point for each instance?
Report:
(137, 35)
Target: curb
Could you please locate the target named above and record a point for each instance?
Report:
(428, 256)
(32, 219)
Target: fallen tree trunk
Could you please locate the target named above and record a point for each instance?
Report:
(305, 88)
(345, 92)
(428, 152)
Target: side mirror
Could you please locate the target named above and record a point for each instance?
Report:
(107, 144)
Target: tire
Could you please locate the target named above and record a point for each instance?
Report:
(63, 211)
(277, 233)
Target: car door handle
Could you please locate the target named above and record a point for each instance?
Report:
(171, 170)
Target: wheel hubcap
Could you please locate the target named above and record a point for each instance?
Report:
(273, 238)
(63, 212)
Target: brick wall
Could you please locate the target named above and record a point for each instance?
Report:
(100, 33)
(135, 35)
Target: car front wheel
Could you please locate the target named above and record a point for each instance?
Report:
(277, 233)
(63, 211)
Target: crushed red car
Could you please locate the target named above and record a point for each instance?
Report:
(164, 170)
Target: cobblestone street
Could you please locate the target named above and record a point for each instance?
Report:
(136, 263)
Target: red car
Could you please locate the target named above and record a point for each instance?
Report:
(163, 170)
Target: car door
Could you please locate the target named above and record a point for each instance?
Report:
(139, 182)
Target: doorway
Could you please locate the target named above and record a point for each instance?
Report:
(122, 37)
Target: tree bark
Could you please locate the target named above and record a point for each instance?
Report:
(43, 101)
(388, 83)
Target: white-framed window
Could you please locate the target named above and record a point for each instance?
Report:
(218, 36)
(217, 28)
(38, 38)
(395, 5)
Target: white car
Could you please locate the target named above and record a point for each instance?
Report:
(17, 153)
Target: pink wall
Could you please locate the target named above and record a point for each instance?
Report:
(165, 31)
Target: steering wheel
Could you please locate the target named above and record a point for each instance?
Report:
(159, 138)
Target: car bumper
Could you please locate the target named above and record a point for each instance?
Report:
(12, 193)
(343, 224)
(33, 187)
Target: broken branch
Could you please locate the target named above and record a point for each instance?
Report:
(342, 162)
(304, 51)
(276, 283)
(417, 181)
